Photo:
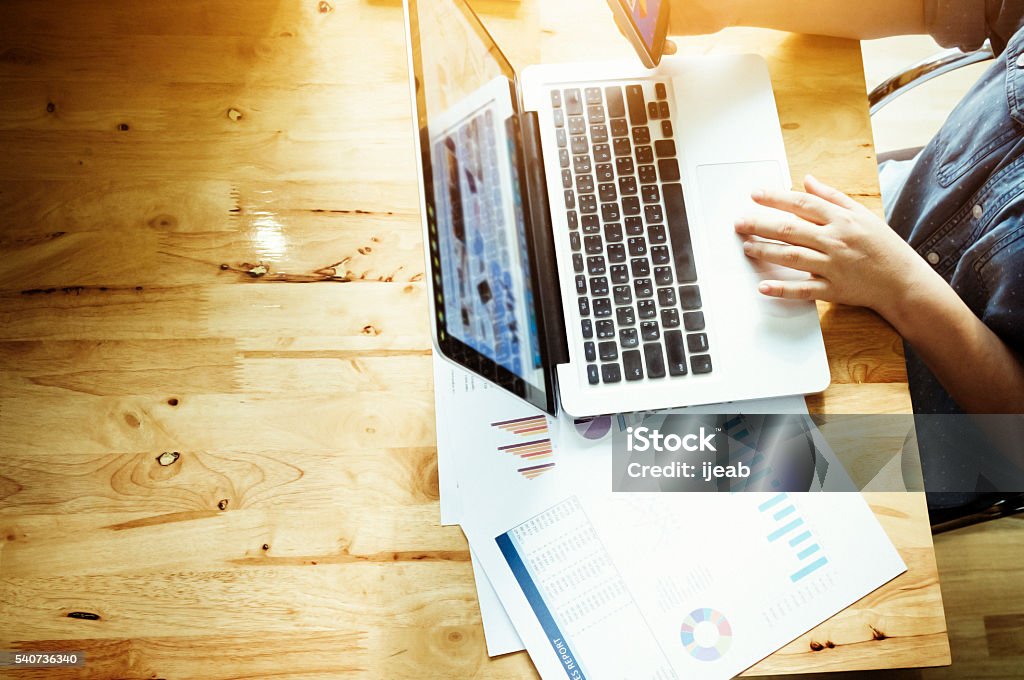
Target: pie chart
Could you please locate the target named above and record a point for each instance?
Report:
(597, 427)
(706, 634)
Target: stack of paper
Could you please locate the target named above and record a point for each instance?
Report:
(659, 585)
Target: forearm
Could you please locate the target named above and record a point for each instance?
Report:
(975, 366)
(860, 20)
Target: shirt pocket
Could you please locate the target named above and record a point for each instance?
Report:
(989, 118)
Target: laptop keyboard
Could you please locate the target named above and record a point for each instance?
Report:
(638, 300)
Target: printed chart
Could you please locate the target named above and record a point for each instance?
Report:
(789, 527)
(534, 449)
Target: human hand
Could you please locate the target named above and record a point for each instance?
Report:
(853, 257)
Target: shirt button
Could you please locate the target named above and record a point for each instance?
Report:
(978, 211)
(932, 257)
(1020, 61)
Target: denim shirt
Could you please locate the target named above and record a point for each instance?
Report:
(962, 210)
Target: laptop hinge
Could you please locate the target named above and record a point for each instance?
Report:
(547, 290)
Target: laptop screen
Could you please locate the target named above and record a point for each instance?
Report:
(484, 307)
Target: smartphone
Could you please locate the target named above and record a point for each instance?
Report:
(645, 23)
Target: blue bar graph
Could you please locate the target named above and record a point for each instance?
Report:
(807, 552)
(786, 511)
(797, 540)
(783, 530)
(809, 569)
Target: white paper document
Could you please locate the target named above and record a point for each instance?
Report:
(677, 585)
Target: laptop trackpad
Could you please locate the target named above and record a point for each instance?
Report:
(725, 195)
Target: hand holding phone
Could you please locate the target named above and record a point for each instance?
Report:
(645, 25)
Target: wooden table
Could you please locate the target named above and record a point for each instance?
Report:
(216, 418)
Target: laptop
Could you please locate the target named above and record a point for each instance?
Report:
(578, 223)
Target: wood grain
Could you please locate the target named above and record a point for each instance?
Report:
(216, 415)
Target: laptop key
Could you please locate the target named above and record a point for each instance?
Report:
(566, 179)
(652, 110)
(668, 169)
(559, 118)
(694, 321)
(588, 204)
(653, 214)
(665, 148)
(616, 105)
(640, 267)
(595, 113)
(577, 125)
(606, 192)
(584, 305)
(628, 339)
(585, 184)
(666, 297)
(573, 102)
(610, 212)
(579, 144)
(587, 326)
(654, 357)
(634, 226)
(625, 316)
(650, 193)
(643, 288)
(624, 166)
(609, 351)
(604, 172)
(666, 128)
(641, 135)
(697, 343)
(556, 99)
(577, 262)
(594, 245)
(635, 101)
(663, 276)
(637, 246)
(632, 365)
(610, 373)
(616, 253)
(670, 318)
(605, 329)
(561, 138)
(602, 308)
(570, 199)
(620, 128)
(598, 133)
(602, 153)
(589, 351)
(679, 229)
(581, 284)
(659, 91)
(646, 309)
(663, 110)
(648, 174)
(630, 205)
(593, 375)
(627, 186)
(644, 154)
(572, 219)
(591, 224)
(656, 234)
(623, 295)
(659, 255)
(595, 265)
(593, 95)
(689, 297)
(675, 352)
(599, 286)
(574, 243)
(650, 331)
(622, 146)
(581, 165)
(563, 158)
(701, 364)
(613, 232)
(619, 273)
